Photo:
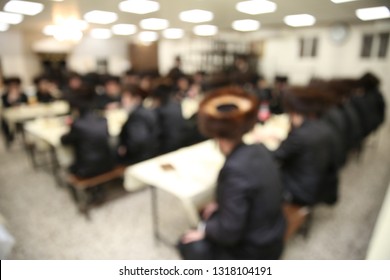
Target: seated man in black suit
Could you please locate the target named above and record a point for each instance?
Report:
(246, 220)
(138, 139)
(170, 119)
(13, 96)
(90, 139)
(308, 156)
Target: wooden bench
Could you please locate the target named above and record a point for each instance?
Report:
(298, 219)
(81, 187)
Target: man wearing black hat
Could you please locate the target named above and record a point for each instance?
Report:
(138, 139)
(246, 221)
(12, 97)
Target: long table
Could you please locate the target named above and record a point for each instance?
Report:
(190, 173)
(48, 132)
(23, 113)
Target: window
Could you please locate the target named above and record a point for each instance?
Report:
(375, 45)
(308, 47)
(368, 39)
(383, 44)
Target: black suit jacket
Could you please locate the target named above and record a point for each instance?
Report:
(139, 135)
(309, 168)
(90, 139)
(249, 195)
(171, 124)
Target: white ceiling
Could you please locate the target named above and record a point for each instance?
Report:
(325, 11)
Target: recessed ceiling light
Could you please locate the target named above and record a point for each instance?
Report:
(101, 17)
(205, 30)
(255, 7)
(173, 33)
(246, 25)
(342, 1)
(3, 27)
(23, 7)
(148, 36)
(100, 33)
(140, 7)
(299, 20)
(196, 16)
(154, 23)
(124, 29)
(373, 13)
(10, 18)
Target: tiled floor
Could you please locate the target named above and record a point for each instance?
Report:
(46, 225)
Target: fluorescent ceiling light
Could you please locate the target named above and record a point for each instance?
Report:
(3, 27)
(67, 34)
(101, 33)
(124, 29)
(140, 7)
(75, 23)
(101, 17)
(205, 30)
(63, 32)
(24, 7)
(373, 13)
(173, 33)
(342, 1)
(50, 30)
(148, 36)
(196, 16)
(255, 7)
(10, 18)
(246, 25)
(154, 23)
(299, 20)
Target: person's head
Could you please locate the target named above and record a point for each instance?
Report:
(74, 81)
(132, 96)
(226, 114)
(368, 82)
(178, 61)
(183, 83)
(13, 84)
(43, 84)
(112, 86)
(131, 78)
(306, 102)
(162, 93)
(83, 104)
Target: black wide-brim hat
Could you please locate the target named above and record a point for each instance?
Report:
(228, 112)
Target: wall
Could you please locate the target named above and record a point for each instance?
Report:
(281, 55)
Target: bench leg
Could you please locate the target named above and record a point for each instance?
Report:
(82, 200)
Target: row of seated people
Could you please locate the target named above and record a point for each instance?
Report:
(246, 221)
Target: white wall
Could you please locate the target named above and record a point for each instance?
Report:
(16, 57)
(84, 55)
(281, 56)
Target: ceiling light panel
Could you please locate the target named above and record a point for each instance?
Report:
(100, 17)
(255, 7)
(205, 30)
(10, 18)
(373, 13)
(3, 27)
(196, 16)
(23, 7)
(173, 33)
(140, 7)
(100, 33)
(148, 36)
(246, 25)
(124, 29)
(63, 33)
(342, 1)
(154, 23)
(299, 20)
